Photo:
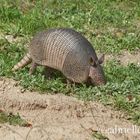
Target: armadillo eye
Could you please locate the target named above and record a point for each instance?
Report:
(91, 61)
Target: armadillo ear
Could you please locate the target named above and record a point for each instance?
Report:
(101, 59)
(91, 61)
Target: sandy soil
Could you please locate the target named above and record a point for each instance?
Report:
(58, 117)
(125, 58)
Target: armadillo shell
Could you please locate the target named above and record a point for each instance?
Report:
(65, 50)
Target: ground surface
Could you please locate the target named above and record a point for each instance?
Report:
(113, 28)
(59, 117)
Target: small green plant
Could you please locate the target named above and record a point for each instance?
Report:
(12, 119)
(98, 136)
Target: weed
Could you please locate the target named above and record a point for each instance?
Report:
(12, 119)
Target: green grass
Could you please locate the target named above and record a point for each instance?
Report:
(98, 136)
(111, 26)
(12, 119)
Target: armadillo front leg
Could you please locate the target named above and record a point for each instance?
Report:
(32, 68)
(70, 83)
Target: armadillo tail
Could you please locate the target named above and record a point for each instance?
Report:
(23, 62)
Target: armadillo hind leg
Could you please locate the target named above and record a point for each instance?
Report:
(33, 68)
(49, 72)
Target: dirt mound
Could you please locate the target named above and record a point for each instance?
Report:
(58, 117)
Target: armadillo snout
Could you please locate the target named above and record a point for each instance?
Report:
(97, 75)
(98, 82)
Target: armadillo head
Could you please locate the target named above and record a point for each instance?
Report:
(96, 72)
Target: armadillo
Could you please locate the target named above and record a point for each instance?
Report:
(65, 50)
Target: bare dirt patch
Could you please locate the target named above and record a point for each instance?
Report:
(58, 117)
(126, 58)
